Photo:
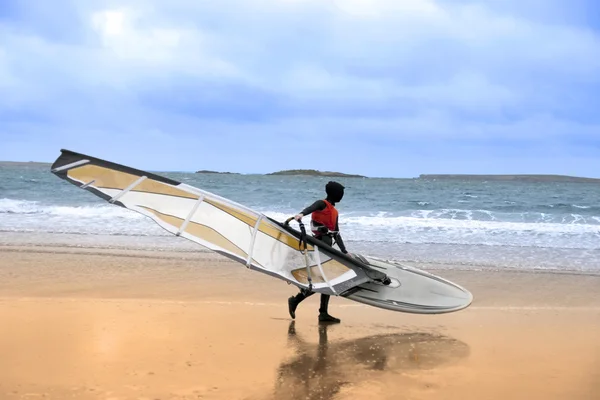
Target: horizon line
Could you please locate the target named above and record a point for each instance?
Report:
(443, 175)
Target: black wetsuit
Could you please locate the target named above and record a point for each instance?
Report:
(320, 205)
(372, 273)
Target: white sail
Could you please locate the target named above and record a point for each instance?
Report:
(224, 226)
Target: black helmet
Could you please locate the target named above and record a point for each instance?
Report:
(335, 191)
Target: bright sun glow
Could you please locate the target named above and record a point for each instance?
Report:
(110, 23)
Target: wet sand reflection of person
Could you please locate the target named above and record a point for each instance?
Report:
(321, 371)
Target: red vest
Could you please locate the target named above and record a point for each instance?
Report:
(327, 217)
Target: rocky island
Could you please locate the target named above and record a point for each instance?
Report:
(512, 178)
(313, 172)
(205, 171)
(24, 164)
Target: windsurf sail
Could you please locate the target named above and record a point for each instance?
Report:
(224, 226)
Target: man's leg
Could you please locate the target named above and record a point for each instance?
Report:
(304, 293)
(323, 310)
(295, 300)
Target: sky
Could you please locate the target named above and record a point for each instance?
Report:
(390, 88)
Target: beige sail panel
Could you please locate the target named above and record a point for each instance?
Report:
(301, 275)
(102, 177)
(169, 219)
(331, 268)
(242, 216)
(263, 227)
(202, 231)
(113, 179)
(211, 235)
(152, 186)
(283, 237)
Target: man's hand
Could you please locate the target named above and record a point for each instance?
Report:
(298, 217)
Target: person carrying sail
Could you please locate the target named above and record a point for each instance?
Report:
(324, 226)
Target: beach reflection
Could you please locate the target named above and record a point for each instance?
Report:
(320, 371)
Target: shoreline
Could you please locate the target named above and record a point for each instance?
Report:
(202, 265)
(209, 255)
(178, 247)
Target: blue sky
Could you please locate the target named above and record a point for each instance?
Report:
(375, 87)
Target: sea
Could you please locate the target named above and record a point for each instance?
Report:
(437, 224)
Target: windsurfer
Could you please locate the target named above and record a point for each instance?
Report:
(324, 226)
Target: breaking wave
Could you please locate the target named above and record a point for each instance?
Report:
(446, 226)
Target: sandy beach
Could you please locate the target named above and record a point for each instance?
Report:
(83, 323)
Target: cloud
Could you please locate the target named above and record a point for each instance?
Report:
(359, 73)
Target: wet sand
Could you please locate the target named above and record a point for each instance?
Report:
(114, 324)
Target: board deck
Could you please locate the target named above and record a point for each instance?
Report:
(412, 290)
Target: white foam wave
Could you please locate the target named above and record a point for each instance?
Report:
(468, 224)
(426, 228)
(9, 206)
(473, 227)
(278, 216)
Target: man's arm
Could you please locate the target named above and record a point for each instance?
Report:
(338, 238)
(318, 205)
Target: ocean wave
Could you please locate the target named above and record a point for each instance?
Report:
(447, 226)
(470, 224)
(422, 229)
(434, 218)
(556, 208)
(421, 203)
(470, 215)
(25, 207)
(568, 207)
(582, 207)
